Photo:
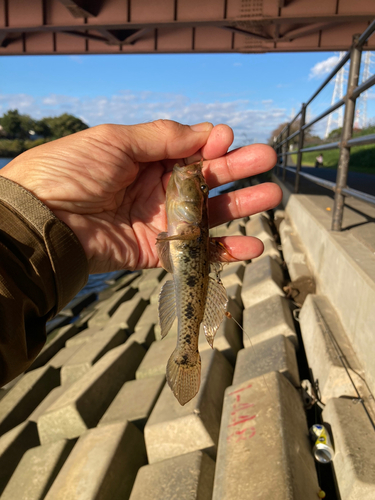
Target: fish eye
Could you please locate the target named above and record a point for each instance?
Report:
(204, 188)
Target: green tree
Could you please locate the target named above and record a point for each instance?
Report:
(27, 126)
(15, 125)
(335, 134)
(65, 124)
(11, 124)
(42, 128)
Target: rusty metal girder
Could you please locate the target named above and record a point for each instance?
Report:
(149, 26)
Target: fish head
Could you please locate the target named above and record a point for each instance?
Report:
(187, 194)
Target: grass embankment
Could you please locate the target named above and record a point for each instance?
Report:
(10, 148)
(362, 159)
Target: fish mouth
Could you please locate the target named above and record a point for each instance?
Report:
(185, 171)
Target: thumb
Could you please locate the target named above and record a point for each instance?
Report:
(162, 139)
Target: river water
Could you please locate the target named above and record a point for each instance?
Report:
(4, 161)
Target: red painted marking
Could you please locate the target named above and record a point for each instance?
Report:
(242, 419)
(241, 406)
(242, 436)
(240, 390)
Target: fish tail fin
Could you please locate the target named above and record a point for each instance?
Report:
(183, 377)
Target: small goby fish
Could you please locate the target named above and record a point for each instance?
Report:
(193, 296)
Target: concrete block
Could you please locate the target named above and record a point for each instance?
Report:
(25, 396)
(326, 345)
(218, 231)
(155, 361)
(232, 274)
(234, 292)
(47, 402)
(148, 293)
(235, 228)
(144, 336)
(127, 314)
(151, 277)
(292, 247)
(103, 465)
(174, 430)
(264, 450)
(76, 305)
(354, 441)
(83, 404)
(275, 354)
(56, 323)
(297, 270)
(149, 317)
(88, 354)
(116, 275)
(83, 337)
(107, 308)
(261, 280)
(228, 338)
(84, 317)
(124, 281)
(37, 470)
(55, 342)
(63, 356)
(270, 249)
(279, 214)
(267, 319)
(188, 477)
(134, 402)
(259, 227)
(13, 445)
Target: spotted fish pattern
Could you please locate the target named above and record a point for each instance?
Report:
(193, 296)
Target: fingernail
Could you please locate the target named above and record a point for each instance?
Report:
(202, 127)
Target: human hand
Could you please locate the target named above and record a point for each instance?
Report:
(108, 185)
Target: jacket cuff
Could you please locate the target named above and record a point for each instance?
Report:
(65, 253)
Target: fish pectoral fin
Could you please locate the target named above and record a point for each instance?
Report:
(184, 376)
(214, 312)
(189, 232)
(219, 252)
(167, 307)
(162, 248)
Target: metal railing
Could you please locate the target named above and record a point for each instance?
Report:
(354, 90)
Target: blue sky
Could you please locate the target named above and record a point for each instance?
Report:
(251, 92)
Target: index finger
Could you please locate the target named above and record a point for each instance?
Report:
(239, 164)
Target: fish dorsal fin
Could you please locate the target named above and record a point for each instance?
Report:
(214, 312)
(167, 307)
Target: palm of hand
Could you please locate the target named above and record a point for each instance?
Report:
(120, 209)
(104, 184)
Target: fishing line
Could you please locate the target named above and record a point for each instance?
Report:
(228, 315)
(320, 493)
(217, 269)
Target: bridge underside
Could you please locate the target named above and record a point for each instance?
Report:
(180, 26)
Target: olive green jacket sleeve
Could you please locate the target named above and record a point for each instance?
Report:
(42, 267)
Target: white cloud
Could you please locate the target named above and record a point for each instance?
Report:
(323, 67)
(251, 122)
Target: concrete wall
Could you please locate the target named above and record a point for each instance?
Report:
(344, 269)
